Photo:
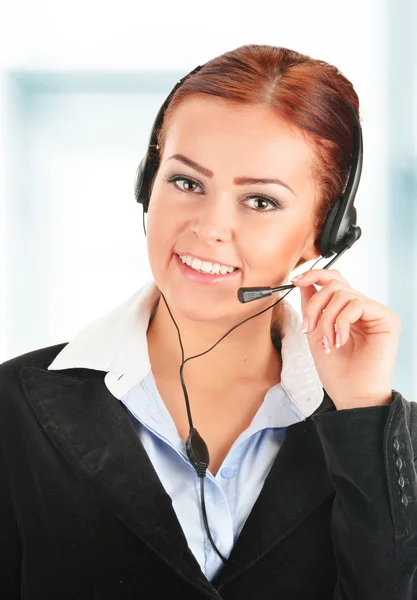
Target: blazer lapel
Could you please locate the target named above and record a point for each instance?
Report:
(91, 429)
(297, 483)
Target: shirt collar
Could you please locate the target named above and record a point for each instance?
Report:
(117, 343)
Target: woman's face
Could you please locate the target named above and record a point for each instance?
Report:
(210, 211)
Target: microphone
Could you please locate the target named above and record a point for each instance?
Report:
(255, 293)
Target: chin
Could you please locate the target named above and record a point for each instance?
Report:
(199, 309)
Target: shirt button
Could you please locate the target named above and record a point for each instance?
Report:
(401, 481)
(228, 473)
(399, 463)
(404, 500)
(396, 445)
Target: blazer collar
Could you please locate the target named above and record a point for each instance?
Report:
(94, 433)
(116, 343)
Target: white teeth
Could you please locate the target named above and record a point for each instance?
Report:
(205, 266)
(196, 264)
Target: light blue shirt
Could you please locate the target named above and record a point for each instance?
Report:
(116, 343)
(231, 494)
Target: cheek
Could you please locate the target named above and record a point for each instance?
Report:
(163, 209)
(275, 250)
(161, 236)
(272, 242)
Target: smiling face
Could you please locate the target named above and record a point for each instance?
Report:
(215, 209)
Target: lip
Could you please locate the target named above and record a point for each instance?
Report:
(204, 278)
(202, 258)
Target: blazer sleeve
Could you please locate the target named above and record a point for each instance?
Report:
(10, 546)
(371, 457)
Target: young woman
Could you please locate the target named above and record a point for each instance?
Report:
(309, 490)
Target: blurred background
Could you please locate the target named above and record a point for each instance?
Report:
(80, 85)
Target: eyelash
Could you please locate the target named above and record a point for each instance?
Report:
(275, 203)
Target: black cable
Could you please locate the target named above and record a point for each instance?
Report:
(203, 508)
(143, 221)
(202, 467)
(230, 330)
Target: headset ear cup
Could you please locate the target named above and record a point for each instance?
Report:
(138, 185)
(324, 241)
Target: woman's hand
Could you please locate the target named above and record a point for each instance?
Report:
(359, 373)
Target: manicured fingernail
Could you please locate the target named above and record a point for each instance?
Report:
(337, 340)
(297, 278)
(304, 325)
(326, 345)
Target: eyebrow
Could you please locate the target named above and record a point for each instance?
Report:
(236, 181)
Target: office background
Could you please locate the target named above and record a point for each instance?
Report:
(80, 85)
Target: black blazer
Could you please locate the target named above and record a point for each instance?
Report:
(83, 514)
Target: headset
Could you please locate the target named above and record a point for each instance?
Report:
(339, 233)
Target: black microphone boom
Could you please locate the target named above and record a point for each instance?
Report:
(255, 293)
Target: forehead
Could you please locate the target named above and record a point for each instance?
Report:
(248, 139)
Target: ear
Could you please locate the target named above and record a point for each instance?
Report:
(310, 251)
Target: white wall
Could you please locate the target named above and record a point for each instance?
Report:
(58, 134)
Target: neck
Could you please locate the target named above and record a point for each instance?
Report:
(247, 354)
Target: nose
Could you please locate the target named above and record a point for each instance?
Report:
(215, 218)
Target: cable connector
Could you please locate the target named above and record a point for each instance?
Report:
(197, 452)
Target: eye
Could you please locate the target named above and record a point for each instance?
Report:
(275, 204)
(178, 178)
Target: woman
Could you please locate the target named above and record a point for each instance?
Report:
(310, 489)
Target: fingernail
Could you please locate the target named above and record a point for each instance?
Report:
(326, 345)
(297, 278)
(304, 325)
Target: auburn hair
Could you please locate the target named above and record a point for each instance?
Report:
(309, 94)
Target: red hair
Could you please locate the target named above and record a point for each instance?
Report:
(309, 94)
